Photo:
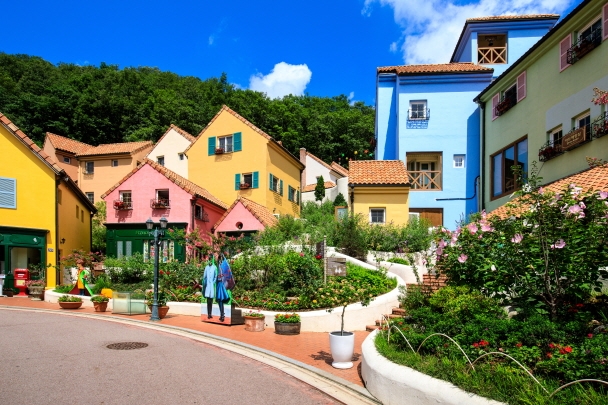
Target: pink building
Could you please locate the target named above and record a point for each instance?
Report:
(246, 216)
(153, 191)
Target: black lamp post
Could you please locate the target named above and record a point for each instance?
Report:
(158, 233)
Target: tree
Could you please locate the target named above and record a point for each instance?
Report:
(99, 229)
(340, 201)
(320, 189)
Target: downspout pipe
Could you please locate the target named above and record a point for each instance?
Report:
(482, 180)
(463, 198)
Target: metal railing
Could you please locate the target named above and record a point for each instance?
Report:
(599, 127)
(160, 203)
(122, 205)
(584, 45)
(418, 115)
(550, 150)
(505, 105)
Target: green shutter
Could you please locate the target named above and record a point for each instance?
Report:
(211, 145)
(255, 180)
(298, 197)
(270, 183)
(281, 187)
(237, 142)
(237, 181)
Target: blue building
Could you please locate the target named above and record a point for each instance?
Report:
(426, 116)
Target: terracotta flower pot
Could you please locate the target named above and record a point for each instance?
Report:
(162, 311)
(100, 306)
(70, 305)
(254, 323)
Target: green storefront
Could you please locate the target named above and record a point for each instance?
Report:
(124, 240)
(19, 249)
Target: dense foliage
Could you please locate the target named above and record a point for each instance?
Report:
(573, 347)
(105, 104)
(549, 253)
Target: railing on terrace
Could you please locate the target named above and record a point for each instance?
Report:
(584, 45)
(425, 180)
(419, 115)
(505, 105)
(550, 150)
(599, 127)
(122, 205)
(492, 55)
(160, 203)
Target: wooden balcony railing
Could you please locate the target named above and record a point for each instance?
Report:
(492, 55)
(425, 180)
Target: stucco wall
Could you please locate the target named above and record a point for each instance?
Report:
(240, 214)
(170, 146)
(393, 199)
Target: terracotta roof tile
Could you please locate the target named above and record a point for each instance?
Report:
(362, 172)
(184, 184)
(339, 169)
(12, 128)
(67, 144)
(514, 17)
(311, 187)
(113, 148)
(459, 67)
(250, 125)
(260, 212)
(593, 179)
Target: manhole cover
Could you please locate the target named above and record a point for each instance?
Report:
(127, 346)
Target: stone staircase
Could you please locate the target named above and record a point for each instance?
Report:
(430, 283)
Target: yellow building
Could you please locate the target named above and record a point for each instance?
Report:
(233, 158)
(379, 190)
(43, 214)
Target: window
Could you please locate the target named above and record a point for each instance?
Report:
(275, 184)
(125, 196)
(77, 211)
(67, 160)
(162, 199)
(293, 195)
(503, 102)
(81, 216)
(555, 136)
(224, 144)
(503, 177)
(91, 196)
(414, 216)
(492, 49)
(198, 212)
(583, 121)
(114, 163)
(8, 192)
(246, 180)
(376, 215)
(89, 167)
(161, 160)
(181, 156)
(459, 161)
(418, 110)
(424, 170)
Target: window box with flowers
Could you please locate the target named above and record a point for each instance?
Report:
(287, 324)
(122, 205)
(245, 186)
(219, 151)
(549, 151)
(160, 203)
(600, 126)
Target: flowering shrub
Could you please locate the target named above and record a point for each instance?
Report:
(79, 257)
(35, 283)
(550, 251)
(287, 318)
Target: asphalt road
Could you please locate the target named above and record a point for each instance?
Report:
(53, 359)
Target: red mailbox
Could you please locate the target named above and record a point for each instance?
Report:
(21, 276)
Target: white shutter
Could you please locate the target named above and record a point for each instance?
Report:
(605, 21)
(521, 86)
(495, 101)
(8, 193)
(563, 52)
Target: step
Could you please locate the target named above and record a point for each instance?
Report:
(399, 311)
(371, 328)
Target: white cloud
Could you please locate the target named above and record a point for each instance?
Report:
(284, 79)
(393, 47)
(351, 98)
(211, 39)
(432, 28)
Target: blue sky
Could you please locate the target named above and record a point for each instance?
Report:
(324, 48)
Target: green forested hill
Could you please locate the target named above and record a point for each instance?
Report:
(106, 104)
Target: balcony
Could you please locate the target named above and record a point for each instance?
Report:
(120, 205)
(550, 150)
(425, 180)
(492, 55)
(505, 105)
(584, 45)
(160, 203)
(599, 127)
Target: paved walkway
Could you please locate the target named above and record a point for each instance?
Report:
(309, 348)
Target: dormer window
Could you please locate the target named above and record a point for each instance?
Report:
(491, 49)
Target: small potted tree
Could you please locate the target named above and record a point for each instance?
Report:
(100, 302)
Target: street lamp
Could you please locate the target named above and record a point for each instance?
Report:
(157, 235)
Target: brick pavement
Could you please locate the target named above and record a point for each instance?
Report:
(311, 348)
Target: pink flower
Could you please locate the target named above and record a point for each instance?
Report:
(472, 228)
(603, 195)
(302, 254)
(485, 227)
(575, 209)
(541, 190)
(462, 258)
(441, 244)
(517, 238)
(559, 244)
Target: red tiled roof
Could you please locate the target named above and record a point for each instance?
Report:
(514, 17)
(339, 169)
(260, 212)
(459, 67)
(184, 184)
(593, 179)
(67, 144)
(311, 187)
(114, 148)
(12, 128)
(390, 172)
(250, 125)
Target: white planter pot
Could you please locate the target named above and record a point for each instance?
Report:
(342, 347)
